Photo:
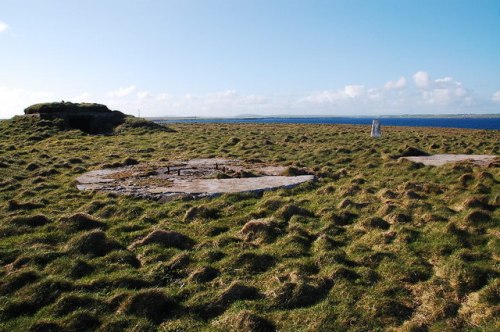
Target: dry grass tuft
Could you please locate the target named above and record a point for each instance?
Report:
(476, 202)
(245, 321)
(290, 210)
(296, 291)
(201, 212)
(480, 308)
(399, 218)
(260, 230)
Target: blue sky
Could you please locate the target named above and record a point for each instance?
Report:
(231, 57)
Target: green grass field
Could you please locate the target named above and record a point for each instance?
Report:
(374, 244)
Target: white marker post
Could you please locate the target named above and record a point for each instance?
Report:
(376, 133)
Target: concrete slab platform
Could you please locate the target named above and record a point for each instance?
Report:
(195, 178)
(441, 159)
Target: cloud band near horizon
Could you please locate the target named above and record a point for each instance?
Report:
(420, 95)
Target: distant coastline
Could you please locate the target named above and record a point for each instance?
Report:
(254, 116)
(462, 121)
(489, 122)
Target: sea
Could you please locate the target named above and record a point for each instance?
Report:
(492, 123)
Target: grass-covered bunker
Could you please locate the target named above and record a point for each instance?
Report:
(89, 117)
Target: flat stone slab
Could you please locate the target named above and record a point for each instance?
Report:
(441, 159)
(194, 178)
(218, 186)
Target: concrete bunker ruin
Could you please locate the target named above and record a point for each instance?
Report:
(89, 117)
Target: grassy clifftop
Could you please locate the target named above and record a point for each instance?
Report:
(373, 244)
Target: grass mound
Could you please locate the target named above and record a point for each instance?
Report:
(290, 210)
(261, 230)
(297, 291)
(204, 274)
(74, 269)
(295, 171)
(82, 320)
(399, 218)
(72, 302)
(14, 205)
(132, 124)
(251, 262)
(201, 212)
(81, 222)
(15, 281)
(33, 297)
(343, 218)
(481, 307)
(476, 202)
(152, 304)
(375, 222)
(246, 321)
(93, 243)
(477, 217)
(235, 292)
(410, 151)
(30, 221)
(45, 326)
(165, 238)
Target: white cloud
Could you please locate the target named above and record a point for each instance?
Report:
(353, 91)
(349, 92)
(421, 79)
(446, 91)
(442, 95)
(222, 103)
(13, 101)
(394, 85)
(3, 26)
(122, 92)
(496, 97)
(144, 94)
(444, 80)
(322, 97)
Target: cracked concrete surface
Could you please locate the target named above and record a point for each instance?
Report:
(194, 178)
(441, 159)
